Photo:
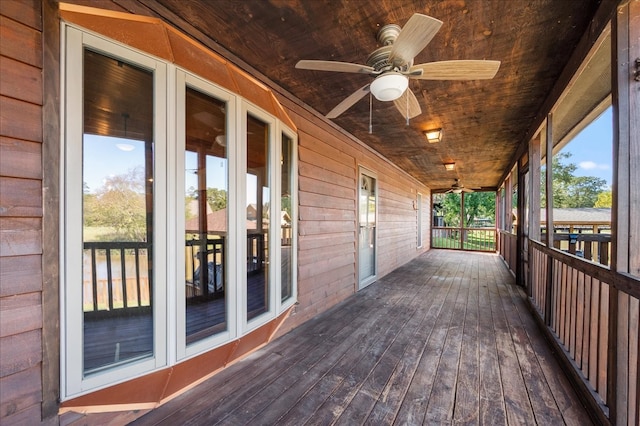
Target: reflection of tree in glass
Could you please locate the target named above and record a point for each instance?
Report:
(285, 204)
(217, 198)
(119, 206)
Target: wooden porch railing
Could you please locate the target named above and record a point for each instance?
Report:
(476, 239)
(592, 313)
(507, 247)
(594, 247)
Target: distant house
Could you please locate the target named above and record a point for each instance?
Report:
(595, 219)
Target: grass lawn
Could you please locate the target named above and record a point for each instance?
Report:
(476, 240)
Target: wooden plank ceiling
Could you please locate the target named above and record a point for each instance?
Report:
(484, 121)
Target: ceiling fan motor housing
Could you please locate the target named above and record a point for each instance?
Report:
(379, 58)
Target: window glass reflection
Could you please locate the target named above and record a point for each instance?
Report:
(257, 216)
(206, 230)
(117, 213)
(286, 232)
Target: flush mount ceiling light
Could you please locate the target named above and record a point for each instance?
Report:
(221, 140)
(389, 86)
(450, 166)
(434, 135)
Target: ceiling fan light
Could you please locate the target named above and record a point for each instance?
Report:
(457, 191)
(389, 86)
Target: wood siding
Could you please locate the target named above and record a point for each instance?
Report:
(328, 168)
(21, 211)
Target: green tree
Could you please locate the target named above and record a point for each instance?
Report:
(479, 205)
(476, 205)
(570, 191)
(448, 207)
(605, 199)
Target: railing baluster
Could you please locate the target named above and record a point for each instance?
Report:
(94, 279)
(109, 280)
(123, 273)
(138, 285)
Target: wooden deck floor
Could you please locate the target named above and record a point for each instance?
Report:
(445, 339)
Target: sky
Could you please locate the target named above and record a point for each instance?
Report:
(592, 149)
(106, 156)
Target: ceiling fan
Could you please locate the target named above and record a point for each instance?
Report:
(458, 188)
(392, 66)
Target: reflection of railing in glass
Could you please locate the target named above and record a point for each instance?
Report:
(213, 274)
(256, 252)
(107, 266)
(117, 301)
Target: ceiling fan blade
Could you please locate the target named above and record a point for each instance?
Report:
(408, 104)
(415, 35)
(456, 70)
(348, 102)
(319, 65)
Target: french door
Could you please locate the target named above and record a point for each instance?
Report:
(367, 223)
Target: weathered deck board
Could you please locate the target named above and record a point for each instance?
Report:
(445, 339)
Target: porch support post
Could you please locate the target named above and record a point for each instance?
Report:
(548, 312)
(626, 203)
(50, 220)
(534, 189)
(520, 270)
(534, 202)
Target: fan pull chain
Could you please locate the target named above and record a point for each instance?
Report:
(407, 97)
(370, 113)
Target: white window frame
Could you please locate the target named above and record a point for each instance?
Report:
(247, 108)
(283, 130)
(362, 170)
(185, 79)
(170, 84)
(73, 381)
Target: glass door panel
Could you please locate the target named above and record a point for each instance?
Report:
(286, 229)
(367, 230)
(257, 217)
(206, 217)
(118, 199)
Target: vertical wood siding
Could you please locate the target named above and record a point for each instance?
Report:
(21, 211)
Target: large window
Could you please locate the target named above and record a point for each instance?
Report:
(206, 223)
(172, 185)
(258, 217)
(118, 202)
